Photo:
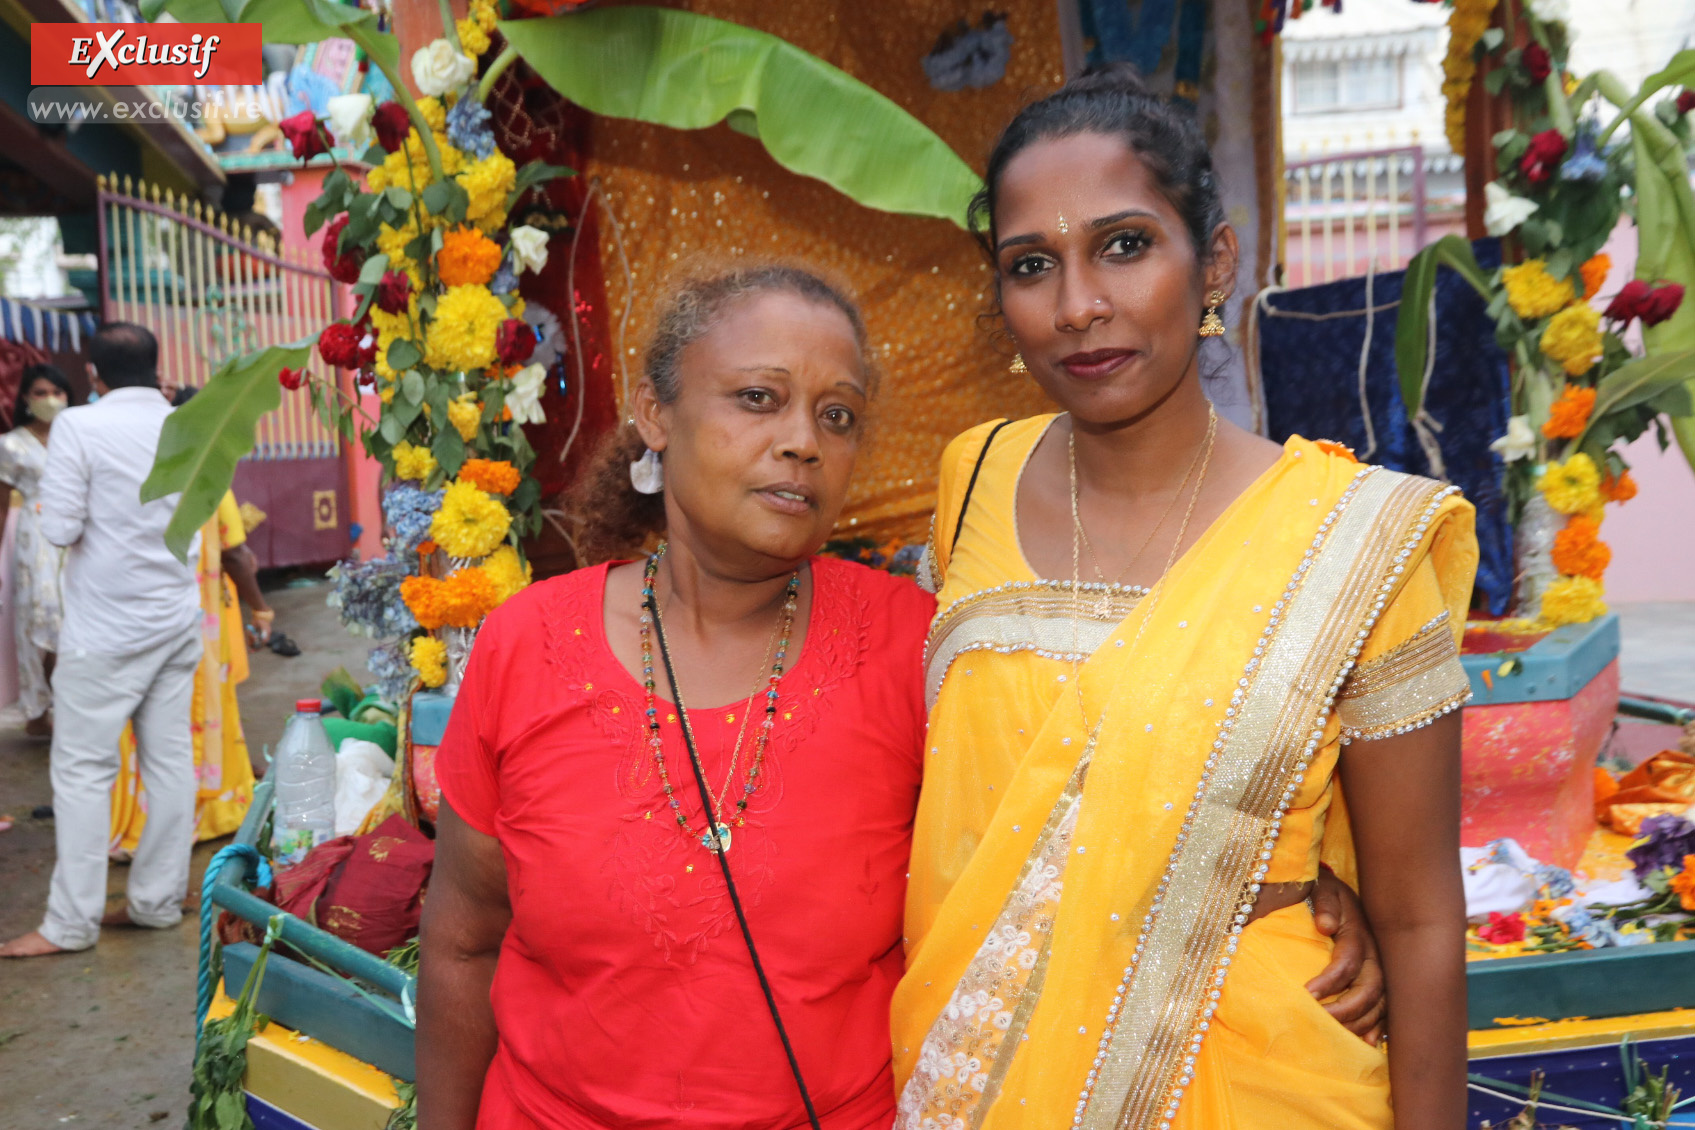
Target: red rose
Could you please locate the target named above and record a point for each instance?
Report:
(391, 125)
(1662, 302)
(393, 292)
(514, 341)
(1502, 929)
(1537, 64)
(303, 134)
(1686, 101)
(291, 379)
(343, 266)
(1627, 303)
(347, 346)
(1543, 157)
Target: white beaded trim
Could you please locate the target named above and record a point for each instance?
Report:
(1351, 734)
(1187, 1073)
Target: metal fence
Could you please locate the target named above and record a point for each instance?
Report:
(1344, 212)
(211, 289)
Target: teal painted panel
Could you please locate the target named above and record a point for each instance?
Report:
(1556, 667)
(1592, 983)
(430, 711)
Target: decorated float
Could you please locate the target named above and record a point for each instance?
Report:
(531, 171)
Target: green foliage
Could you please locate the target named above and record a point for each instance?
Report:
(1412, 326)
(216, 1098)
(404, 1116)
(1629, 399)
(203, 440)
(687, 71)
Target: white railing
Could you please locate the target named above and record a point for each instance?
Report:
(1347, 213)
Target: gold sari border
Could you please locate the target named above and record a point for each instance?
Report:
(1405, 689)
(1163, 1005)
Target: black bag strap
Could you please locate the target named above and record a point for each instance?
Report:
(971, 485)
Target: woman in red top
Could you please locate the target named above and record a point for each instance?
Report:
(583, 967)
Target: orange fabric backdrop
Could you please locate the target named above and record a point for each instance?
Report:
(716, 195)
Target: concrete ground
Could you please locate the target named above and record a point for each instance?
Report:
(105, 1038)
(1658, 657)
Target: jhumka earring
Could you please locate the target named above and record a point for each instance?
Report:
(1212, 325)
(1018, 368)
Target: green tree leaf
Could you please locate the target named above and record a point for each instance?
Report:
(688, 71)
(203, 440)
(1639, 382)
(1412, 324)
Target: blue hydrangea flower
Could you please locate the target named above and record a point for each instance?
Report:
(367, 594)
(407, 510)
(393, 669)
(1584, 162)
(505, 280)
(468, 127)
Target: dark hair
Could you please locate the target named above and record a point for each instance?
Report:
(125, 354)
(614, 518)
(33, 373)
(183, 396)
(1113, 100)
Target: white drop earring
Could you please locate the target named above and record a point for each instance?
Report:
(647, 474)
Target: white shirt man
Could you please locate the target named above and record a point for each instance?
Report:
(128, 649)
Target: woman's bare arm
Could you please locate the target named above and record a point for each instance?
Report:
(1404, 795)
(465, 920)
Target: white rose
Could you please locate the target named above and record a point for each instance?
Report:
(350, 119)
(525, 397)
(1504, 211)
(1518, 443)
(438, 68)
(1551, 11)
(529, 246)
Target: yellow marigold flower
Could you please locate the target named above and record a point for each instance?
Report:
(425, 598)
(1579, 550)
(465, 413)
(377, 179)
(413, 462)
(467, 258)
(1573, 600)
(1573, 338)
(472, 37)
(392, 242)
(469, 522)
(1570, 413)
(1533, 293)
(435, 114)
(429, 659)
(488, 182)
(1572, 487)
(496, 476)
(1466, 25)
(391, 328)
(386, 394)
(509, 574)
(1594, 272)
(485, 13)
(462, 335)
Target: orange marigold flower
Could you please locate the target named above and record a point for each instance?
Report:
(493, 475)
(1594, 272)
(1620, 489)
(1683, 883)
(467, 258)
(467, 596)
(1566, 419)
(427, 601)
(1579, 551)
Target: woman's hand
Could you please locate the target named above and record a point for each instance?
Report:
(1354, 972)
(465, 920)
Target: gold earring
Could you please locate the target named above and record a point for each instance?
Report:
(1018, 368)
(1212, 325)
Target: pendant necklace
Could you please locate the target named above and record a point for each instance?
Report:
(713, 839)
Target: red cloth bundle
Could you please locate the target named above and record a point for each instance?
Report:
(366, 890)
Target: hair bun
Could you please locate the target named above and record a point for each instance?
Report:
(1110, 78)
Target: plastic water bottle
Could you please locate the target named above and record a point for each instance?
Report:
(303, 815)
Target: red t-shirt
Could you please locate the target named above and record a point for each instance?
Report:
(624, 994)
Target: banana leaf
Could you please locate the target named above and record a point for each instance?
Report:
(285, 21)
(1412, 321)
(203, 440)
(688, 71)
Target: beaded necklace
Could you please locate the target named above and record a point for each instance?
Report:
(705, 837)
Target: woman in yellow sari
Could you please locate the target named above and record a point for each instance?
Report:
(221, 763)
(1162, 645)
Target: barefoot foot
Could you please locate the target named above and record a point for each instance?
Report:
(31, 944)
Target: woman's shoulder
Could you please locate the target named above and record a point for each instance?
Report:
(532, 610)
(1009, 435)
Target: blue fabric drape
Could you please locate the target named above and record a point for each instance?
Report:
(1310, 372)
(1122, 37)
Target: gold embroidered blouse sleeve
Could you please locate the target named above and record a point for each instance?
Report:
(1409, 671)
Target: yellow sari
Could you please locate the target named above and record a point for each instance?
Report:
(1108, 783)
(221, 764)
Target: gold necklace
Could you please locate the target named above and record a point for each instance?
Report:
(1104, 608)
(1155, 591)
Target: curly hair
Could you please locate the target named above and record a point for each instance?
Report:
(613, 518)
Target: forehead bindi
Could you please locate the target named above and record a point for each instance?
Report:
(1083, 177)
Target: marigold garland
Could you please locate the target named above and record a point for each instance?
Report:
(509, 575)
(1573, 600)
(465, 413)
(1572, 487)
(1573, 338)
(462, 335)
(1683, 883)
(426, 601)
(496, 476)
(1579, 550)
(1621, 488)
(413, 462)
(468, 595)
(470, 523)
(488, 182)
(467, 258)
(1570, 413)
(1466, 25)
(429, 659)
(1533, 293)
(1594, 273)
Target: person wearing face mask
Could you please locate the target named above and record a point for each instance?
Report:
(36, 613)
